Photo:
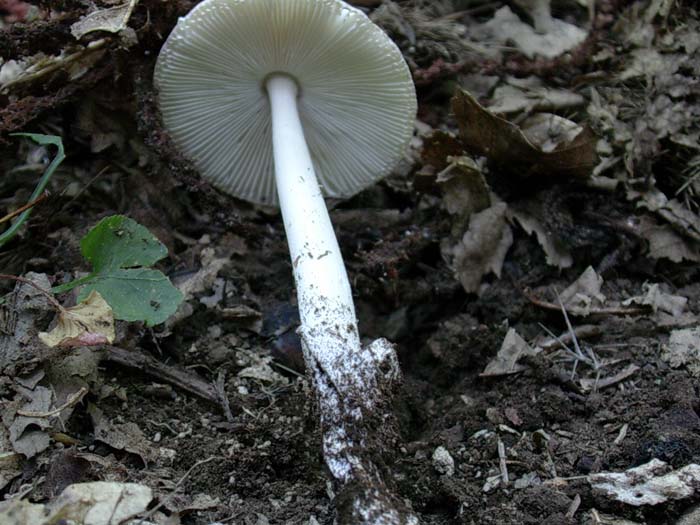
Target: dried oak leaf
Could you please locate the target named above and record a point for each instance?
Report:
(483, 247)
(504, 143)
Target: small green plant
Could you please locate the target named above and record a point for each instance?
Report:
(121, 253)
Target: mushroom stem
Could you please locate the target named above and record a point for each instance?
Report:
(353, 383)
(325, 300)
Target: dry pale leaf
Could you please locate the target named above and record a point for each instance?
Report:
(658, 300)
(95, 503)
(649, 484)
(556, 36)
(482, 248)
(506, 361)
(123, 436)
(683, 349)
(584, 293)
(517, 97)
(111, 20)
(88, 323)
(27, 434)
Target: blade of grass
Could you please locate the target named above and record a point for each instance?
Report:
(44, 140)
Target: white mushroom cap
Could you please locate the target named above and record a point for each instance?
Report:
(357, 101)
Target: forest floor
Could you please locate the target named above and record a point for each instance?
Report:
(534, 259)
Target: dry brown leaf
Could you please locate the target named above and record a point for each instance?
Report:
(504, 143)
(438, 147)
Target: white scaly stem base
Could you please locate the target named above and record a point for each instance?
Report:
(353, 383)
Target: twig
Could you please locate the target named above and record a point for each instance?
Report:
(573, 507)
(72, 400)
(49, 296)
(502, 463)
(219, 385)
(139, 361)
(599, 384)
(177, 486)
(581, 332)
(617, 310)
(621, 435)
(24, 208)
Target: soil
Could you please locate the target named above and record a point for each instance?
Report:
(264, 463)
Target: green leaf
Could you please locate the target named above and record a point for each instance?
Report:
(120, 251)
(119, 242)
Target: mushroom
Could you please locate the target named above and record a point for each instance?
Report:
(281, 102)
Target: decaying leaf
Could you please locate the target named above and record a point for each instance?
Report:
(21, 317)
(512, 349)
(204, 278)
(527, 95)
(649, 484)
(556, 253)
(683, 349)
(89, 323)
(502, 142)
(70, 374)
(673, 211)
(10, 461)
(547, 130)
(124, 436)
(39, 67)
(482, 248)
(95, 503)
(666, 243)
(111, 20)
(659, 301)
(465, 190)
(245, 317)
(555, 36)
(584, 293)
(438, 147)
(257, 367)
(27, 434)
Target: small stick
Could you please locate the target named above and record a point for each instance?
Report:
(220, 386)
(593, 311)
(502, 462)
(72, 400)
(46, 293)
(573, 507)
(177, 486)
(24, 208)
(139, 360)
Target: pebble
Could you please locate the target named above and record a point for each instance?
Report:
(443, 462)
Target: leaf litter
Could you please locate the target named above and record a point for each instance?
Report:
(560, 190)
